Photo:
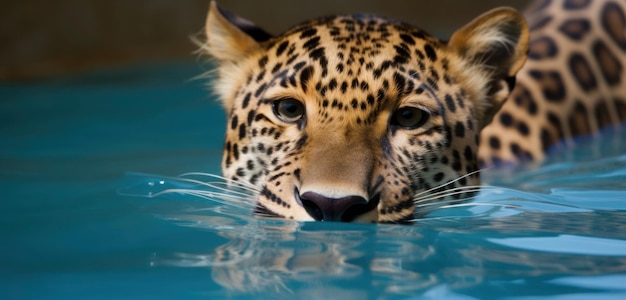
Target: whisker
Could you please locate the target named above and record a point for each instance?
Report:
(230, 182)
(241, 184)
(476, 187)
(469, 204)
(230, 190)
(430, 202)
(200, 44)
(218, 190)
(526, 195)
(427, 202)
(481, 204)
(479, 188)
(234, 188)
(451, 181)
(445, 193)
(465, 189)
(221, 198)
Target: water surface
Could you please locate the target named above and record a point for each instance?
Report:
(73, 149)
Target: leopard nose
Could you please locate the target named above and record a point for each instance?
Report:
(323, 208)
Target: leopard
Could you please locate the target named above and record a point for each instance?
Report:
(361, 118)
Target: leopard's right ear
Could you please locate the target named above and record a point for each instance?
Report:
(229, 37)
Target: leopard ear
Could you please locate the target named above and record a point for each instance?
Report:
(230, 37)
(498, 39)
(496, 45)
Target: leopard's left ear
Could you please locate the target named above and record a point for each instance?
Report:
(230, 37)
(496, 45)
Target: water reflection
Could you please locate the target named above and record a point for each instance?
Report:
(289, 258)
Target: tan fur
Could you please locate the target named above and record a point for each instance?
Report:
(502, 28)
(230, 46)
(570, 122)
(348, 156)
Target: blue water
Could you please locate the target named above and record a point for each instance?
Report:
(87, 162)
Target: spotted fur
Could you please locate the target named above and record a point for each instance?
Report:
(362, 118)
(571, 85)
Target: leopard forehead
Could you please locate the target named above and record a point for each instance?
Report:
(353, 66)
(348, 47)
(354, 42)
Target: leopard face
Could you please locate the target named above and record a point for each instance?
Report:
(359, 118)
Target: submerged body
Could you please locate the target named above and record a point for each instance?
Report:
(359, 118)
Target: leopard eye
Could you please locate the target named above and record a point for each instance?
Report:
(409, 117)
(289, 110)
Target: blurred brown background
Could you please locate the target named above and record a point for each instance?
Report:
(47, 38)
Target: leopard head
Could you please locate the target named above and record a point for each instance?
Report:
(360, 118)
